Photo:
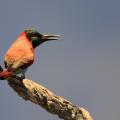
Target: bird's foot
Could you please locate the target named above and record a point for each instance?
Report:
(18, 77)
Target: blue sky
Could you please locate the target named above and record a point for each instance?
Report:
(83, 67)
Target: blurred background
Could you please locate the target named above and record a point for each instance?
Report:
(84, 67)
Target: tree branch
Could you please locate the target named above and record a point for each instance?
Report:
(36, 93)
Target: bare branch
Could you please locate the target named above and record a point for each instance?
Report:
(36, 93)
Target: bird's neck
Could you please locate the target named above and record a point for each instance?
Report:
(23, 36)
(35, 42)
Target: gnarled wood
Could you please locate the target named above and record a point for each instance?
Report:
(36, 93)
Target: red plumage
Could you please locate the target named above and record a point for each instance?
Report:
(19, 55)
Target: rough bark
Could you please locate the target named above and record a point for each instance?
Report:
(36, 93)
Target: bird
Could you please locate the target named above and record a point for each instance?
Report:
(21, 53)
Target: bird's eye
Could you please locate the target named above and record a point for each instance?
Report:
(32, 35)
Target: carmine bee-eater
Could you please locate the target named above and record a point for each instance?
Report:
(21, 53)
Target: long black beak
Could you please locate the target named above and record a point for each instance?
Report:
(50, 37)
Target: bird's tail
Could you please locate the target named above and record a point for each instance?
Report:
(4, 74)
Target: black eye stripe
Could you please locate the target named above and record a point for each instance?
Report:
(33, 34)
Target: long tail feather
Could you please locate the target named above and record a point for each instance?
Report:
(5, 74)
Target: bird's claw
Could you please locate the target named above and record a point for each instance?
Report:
(18, 77)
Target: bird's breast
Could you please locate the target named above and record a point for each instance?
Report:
(20, 53)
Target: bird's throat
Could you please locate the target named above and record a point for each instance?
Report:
(36, 42)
